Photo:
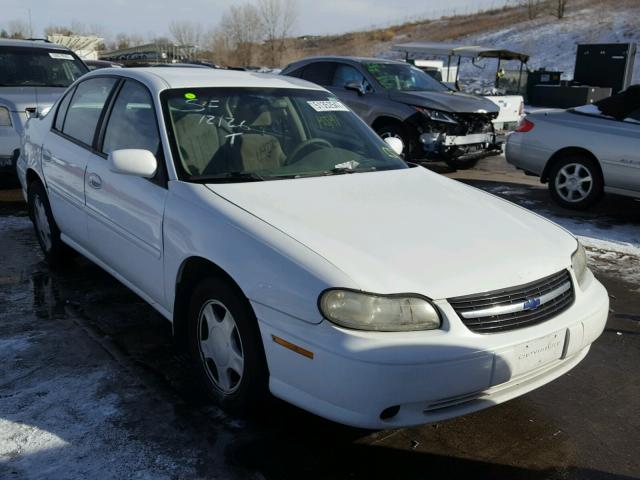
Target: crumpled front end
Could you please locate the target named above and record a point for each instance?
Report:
(465, 136)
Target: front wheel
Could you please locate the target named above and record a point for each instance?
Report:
(576, 182)
(226, 347)
(399, 132)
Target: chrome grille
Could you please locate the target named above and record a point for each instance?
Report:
(516, 307)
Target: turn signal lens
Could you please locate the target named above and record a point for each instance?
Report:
(384, 313)
(525, 125)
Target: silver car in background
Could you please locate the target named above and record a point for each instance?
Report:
(582, 152)
(33, 74)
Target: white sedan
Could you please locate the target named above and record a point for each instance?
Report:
(295, 252)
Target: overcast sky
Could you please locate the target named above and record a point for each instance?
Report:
(151, 17)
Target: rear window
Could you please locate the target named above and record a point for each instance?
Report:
(39, 67)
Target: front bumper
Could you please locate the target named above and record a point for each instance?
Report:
(430, 376)
(439, 143)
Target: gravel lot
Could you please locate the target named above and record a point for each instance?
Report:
(90, 386)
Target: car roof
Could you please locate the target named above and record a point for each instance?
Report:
(158, 79)
(5, 42)
(334, 58)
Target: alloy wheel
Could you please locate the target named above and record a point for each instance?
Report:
(574, 182)
(220, 346)
(384, 135)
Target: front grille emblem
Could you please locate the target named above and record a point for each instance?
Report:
(531, 304)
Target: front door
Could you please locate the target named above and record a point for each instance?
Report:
(124, 212)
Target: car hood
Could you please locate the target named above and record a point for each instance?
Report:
(18, 99)
(409, 230)
(446, 101)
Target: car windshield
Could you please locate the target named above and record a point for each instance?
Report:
(254, 134)
(404, 77)
(38, 67)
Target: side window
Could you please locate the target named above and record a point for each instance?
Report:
(132, 123)
(319, 72)
(86, 107)
(62, 110)
(346, 74)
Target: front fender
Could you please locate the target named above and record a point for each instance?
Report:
(271, 268)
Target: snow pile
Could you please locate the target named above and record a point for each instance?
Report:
(552, 43)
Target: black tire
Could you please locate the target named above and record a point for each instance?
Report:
(56, 253)
(584, 190)
(247, 391)
(409, 151)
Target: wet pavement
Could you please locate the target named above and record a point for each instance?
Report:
(91, 387)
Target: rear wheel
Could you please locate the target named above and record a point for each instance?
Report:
(47, 231)
(576, 182)
(226, 347)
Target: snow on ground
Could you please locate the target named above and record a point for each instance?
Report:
(552, 43)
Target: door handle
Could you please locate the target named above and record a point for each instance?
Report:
(95, 181)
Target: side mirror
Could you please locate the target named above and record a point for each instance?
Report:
(137, 162)
(356, 86)
(395, 144)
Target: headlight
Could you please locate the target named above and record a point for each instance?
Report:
(384, 313)
(579, 264)
(436, 115)
(5, 118)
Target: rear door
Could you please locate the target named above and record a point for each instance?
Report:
(66, 149)
(125, 212)
(617, 145)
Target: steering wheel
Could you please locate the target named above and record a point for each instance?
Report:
(318, 143)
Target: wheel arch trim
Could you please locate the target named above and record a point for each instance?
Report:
(563, 152)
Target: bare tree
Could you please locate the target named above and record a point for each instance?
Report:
(533, 8)
(278, 18)
(561, 8)
(186, 32)
(18, 29)
(242, 27)
(75, 28)
(123, 40)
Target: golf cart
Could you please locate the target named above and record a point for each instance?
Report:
(506, 90)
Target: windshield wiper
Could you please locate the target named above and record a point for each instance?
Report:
(343, 170)
(228, 177)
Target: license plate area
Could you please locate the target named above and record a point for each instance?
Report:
(537, 353)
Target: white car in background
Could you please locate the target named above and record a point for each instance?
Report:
(295, 252)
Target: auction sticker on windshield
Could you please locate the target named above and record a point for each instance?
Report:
(61, 56)
(328, 106)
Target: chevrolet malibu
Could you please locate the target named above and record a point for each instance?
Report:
(296, 253)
